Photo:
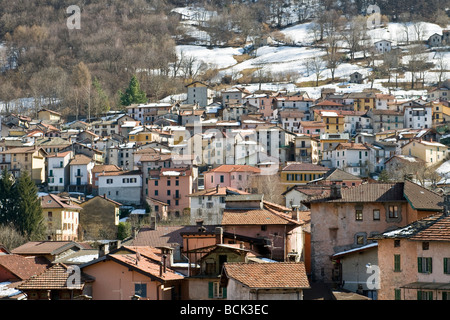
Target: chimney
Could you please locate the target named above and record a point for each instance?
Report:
(295, 212)
(164, 257)
(219, 235)
(217, 188)
(153, 222)
(335, 191)
(200, 227)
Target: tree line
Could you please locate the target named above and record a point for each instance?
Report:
(80, 72)
(21, 214)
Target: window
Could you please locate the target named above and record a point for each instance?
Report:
(447, 265)
(156, 182)
(215, 291)
(397, 264)
(109, 181)
(396, 243)
(358, 215)
(424, 295)
(360, 240)
(425, 245)
(376, 214)
(424, 265)
(397, 294)
(140, 289)
(222, 179)
(393, 211)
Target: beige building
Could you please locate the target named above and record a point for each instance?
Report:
(31, 159)
(62, 217)
(99, 218)
(429, 151)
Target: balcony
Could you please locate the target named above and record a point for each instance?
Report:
(79, 174)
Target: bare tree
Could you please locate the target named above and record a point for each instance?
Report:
(268, 185)
(316, 65)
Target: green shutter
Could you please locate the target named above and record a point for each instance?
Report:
(430, 265)
(419, 264)
(444, 294)
(210, 290)
(419, 295)
(224, 292)
(445, 265)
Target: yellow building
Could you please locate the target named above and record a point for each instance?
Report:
(143, 135)
(333, 121)
(306, 148)
(362, 101)
(438, 112)
(430, 152)
(49, 115)
(295, 173)
(62, 217)
(31, 159)
(328, 142)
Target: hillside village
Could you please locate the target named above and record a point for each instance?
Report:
(253, 191)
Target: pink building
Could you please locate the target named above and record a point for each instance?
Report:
(171, 186)
(233, 176)
(414, 261)
(140, 272)
(348, 218)
(279, 227)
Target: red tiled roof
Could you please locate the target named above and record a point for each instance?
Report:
(146, 266)
(277, 275)
(51, 201)
(221, 191)
(235, 168)
(21, 266)
(304, 166)
(56, 277)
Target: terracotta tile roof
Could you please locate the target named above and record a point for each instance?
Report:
(304, 166)
(270, 214)
(80, 159)
(351, 146)
(418, 197)
(431, 228)
(161, 236)
(421, 198)
(277, 275)
(22, 150)
(44, 247)
(329, 103)
(438, 231)
(22, 267)
(147, 266)
(106, 168)
(235, 168)
(338, 175)
(221, 191)
(369, 192)
(52, 201)
(55, 277)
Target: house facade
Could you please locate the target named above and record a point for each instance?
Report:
(414, 261)
(62, 217)
(58, 171)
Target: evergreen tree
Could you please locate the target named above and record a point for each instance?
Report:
(30, 220)
(384, 176)
(8, 199)
(133, 94)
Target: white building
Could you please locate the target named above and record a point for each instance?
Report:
(349, 157)
(383, 46)
(121, 186)
(208, 205)
(58, 171)
(418, 117)
(80, 172)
